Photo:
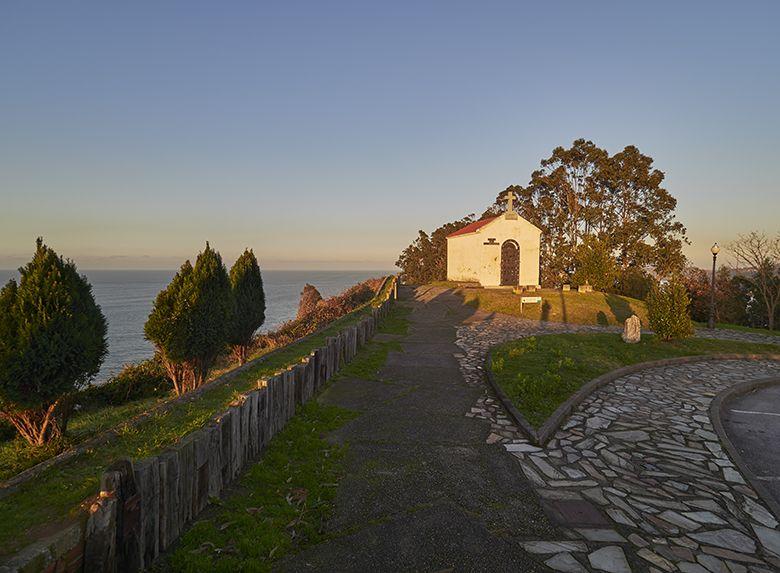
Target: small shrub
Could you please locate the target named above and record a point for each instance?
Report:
(667, 308)
(136, 381)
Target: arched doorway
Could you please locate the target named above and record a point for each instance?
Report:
(510, 263)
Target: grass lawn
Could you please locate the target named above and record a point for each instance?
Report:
(281, 503)
(558, 306)
(539, 373)
(16, 455)
(57, 493)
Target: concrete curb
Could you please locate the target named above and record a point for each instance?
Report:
(717, 409)
(546, 431)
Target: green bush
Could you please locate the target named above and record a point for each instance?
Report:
(136, 381)
(667, 309)
(52, 341)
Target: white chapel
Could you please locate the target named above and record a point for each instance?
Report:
(497, 251)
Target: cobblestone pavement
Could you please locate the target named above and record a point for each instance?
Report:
(636, 476)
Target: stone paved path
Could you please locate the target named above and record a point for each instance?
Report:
(423, 490)
(636, 474)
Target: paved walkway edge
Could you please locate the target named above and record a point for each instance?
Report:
(547, 430)
(717, 408)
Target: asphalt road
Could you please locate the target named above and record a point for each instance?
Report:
(752, 422)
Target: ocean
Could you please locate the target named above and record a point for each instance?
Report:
(126, 299)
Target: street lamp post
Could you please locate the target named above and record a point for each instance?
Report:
(714, 250)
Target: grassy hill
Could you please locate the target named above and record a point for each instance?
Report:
(557, 306)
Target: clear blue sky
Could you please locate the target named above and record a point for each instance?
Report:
(325, 134)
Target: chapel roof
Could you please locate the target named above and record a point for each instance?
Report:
(473, 227)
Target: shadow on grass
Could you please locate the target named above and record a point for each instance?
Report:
(621, 309)
(545, 314)
(564, 316)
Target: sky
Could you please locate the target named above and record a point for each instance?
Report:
(325, 134)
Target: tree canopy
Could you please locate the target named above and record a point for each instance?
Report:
(190, 320)
(248, 304)
(594, 209)
(583, 192)
(52, 342)
(425, 260)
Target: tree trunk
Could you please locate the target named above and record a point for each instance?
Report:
(240, 353)
(40, 426)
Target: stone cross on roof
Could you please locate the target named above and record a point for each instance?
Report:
(510, 211)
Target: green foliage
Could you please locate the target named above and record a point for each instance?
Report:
(190, 320)
(582, 192)
(248, 304)
(144, 379)
(59, 491)
(52, 341)
(595, 265)
(96, 408)
(667, 309)
(634, 282)
(425, 260)
(286, 498)
(282, 504)
(539, 373)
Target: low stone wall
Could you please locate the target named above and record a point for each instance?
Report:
(144, 506)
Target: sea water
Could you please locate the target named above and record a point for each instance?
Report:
(126, 297)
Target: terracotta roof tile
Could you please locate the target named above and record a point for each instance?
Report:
(472, 227)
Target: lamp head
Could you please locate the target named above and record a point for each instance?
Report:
(715, 249)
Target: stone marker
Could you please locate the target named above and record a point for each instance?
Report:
(632, 330)
(566, 288)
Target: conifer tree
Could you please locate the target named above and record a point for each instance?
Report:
(248, 304)
(190, 320)
(52, 342)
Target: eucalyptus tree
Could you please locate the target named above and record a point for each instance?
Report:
(425, 260)
(52, 342)
(582, 192)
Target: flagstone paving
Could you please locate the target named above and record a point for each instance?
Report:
(636, 476)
